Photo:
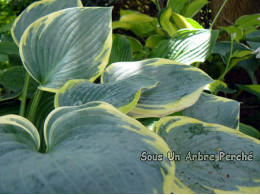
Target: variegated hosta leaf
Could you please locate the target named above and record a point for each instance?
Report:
(218, 86)
(37, 10)
(215, 109)
(78, 49)
(217, 173)
(179, 85)
(187, 46)
(16, 133)
(93, 148)
(123, 95)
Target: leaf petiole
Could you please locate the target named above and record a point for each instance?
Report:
(221, 78)
(219, 11)
(24, 94)
(34, 105)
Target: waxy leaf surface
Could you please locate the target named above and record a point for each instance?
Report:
(179, 85)
(37, 10)
(123, 95)
(215, 109)
(218, 174)
(92, 148)
(78, 49)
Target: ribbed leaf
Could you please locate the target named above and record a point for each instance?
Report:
(187, 46)
(78, 49)
(16, 133)
(91, 149)
(217, 174)
(179, 85)
(121, 50)
(215, 109)
(123, 95)
(37, 10)
(136, 45)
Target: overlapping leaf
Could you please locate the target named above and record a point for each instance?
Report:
(37, 10)
(171, 21)
(121, 50)
(83, 154)
(218, 86)
(187, 46)
(140, 24)
(78, 49)
(215, 109)
(217, 173)
(179, 85)
(123, 95)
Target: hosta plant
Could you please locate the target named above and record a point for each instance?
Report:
(97, 138)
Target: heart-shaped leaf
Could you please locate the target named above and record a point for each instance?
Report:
(215, 109)
(179, 85)
(37, 10)
(93, 148)
(187, 46)
(206, 152)
(78, 49)
(123, 95)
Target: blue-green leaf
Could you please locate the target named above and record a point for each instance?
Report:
(91, 149)
(205, 150)
(37, 10)
(215, 109)
(123, 95)
(78, 49)
(179, 85)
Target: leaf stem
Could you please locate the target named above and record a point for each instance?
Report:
(221, 78)
(219, 11)
(24, 94)
(34, 105)
(157, 3)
